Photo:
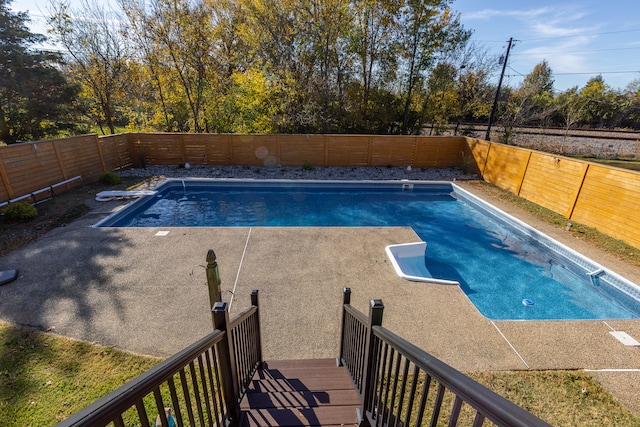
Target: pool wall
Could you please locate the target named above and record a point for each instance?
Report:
(441, 187)
(609, 282)
(606, 281)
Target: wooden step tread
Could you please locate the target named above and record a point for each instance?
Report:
(308, 372)
(313, 392)
(309, 399)
(296, 384)
(322, 416)
(300, 363)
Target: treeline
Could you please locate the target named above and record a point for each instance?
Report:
(272, 66)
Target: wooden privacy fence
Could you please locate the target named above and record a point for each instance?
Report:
(602, 197)
(29, 167)
(295, 150)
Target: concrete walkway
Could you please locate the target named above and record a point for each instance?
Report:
(135, 290)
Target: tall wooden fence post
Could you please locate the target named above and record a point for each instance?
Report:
(370, 370)
(226, 358)
(213, 279)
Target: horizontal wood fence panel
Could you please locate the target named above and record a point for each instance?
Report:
(391, 150)
(80, 157)
(115, 153)
(438, 152)
(610, 201)
(31, 167)
(298, 150)
(348, 150)
(255, 150)
(553, 182)
(475, 154)
(207, 149)
(597, 196)
(158, 148)
(506, 166)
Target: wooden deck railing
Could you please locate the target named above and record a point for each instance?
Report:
(201, 385)
(397, 383)
(402, 385)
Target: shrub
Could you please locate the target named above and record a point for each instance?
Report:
(109, 178)
(308, 166)
(20, 211)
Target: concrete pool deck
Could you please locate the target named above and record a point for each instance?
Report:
(145, 293)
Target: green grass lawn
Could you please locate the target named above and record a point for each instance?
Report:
(44, 378)
(633, 165)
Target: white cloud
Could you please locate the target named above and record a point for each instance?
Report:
(578, 37)
(493, 13)
(564, 21)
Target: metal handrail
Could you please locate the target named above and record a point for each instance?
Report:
(106, 409)
(353, 341)
(212, 370)
(394, 379)
(488, 403)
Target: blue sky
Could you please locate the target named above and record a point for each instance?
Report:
(575, 37)
(579, 39)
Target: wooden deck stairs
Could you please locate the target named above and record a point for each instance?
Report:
(314, 392)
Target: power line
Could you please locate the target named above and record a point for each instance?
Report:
(582, 35)
(565, 37)
(581, 51)
(596, 72)
(586, 73)
(516, 71)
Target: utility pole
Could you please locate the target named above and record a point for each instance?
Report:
(495, 101)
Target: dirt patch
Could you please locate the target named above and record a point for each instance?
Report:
(57, 212)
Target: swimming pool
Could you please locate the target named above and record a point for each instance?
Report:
(500, 262)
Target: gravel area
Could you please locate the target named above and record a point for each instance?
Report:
(601, 144)
(591, 146)
(320, 173)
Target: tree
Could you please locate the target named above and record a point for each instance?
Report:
(568, 107)
(304, 47)
(428, 28)
(532, 103)
(442, 102)
(273, 33)
(334, 60)
(372, 41)
(632, 92)
(93, 39)
(598, 102)
(153, 70)
(36, 101)
(534, 97)
(475, 94)
(247, 106)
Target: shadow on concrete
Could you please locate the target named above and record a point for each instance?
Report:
(65, 280)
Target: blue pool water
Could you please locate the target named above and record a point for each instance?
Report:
(498, 267)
